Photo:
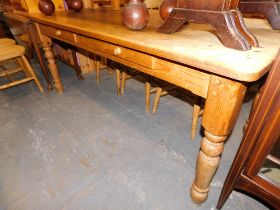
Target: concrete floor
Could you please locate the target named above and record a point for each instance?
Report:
(90, 149)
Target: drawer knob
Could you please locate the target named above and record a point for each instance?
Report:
(117, 51)
(58, 33)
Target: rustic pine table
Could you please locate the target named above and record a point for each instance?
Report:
(192, 58)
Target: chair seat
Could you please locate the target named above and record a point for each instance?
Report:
(4, 42)
(16, 53)
(12, 51)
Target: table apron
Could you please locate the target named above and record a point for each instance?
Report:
(183, 76)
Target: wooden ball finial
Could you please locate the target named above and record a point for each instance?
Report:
(46, 6)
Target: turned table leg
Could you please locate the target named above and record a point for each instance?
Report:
(47, 47)
(35, 44)
(223, 103)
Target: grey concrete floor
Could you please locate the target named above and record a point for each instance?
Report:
(90, 149)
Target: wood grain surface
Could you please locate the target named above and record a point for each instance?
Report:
(196, 45)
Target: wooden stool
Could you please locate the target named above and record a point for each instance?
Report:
(15, 53)
(5, 42)
(23, 31)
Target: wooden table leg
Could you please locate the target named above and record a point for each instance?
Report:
(118, 81)
(148, 95)
(223, 103)
(35, 44)
(78, 70)
(46, 44)
(47, 47)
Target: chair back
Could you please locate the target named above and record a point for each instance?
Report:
(152, 4)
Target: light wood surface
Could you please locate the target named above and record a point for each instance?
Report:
(195, 45)
(147, 95)
(180, 75)
(15, 54)
(118, 81)
(46, 44)
(4, 42)
(11, 51)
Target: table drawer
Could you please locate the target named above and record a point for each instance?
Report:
(58, 33)
(112, 50)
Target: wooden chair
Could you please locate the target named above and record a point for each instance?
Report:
(126, 74)
(23, 31)
(27, 41)
(20, 34)
(14, 55)
(5, 42)
(100, 63)
(122, 76)
(160, 91)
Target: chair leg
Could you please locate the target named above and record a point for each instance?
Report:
(156, 101)
(118, 81)
(148, 95)
(28, 68)
(196, 111)
(21, 63)
(123, 82)
(77, 68)
(30, 50)
(97, 71)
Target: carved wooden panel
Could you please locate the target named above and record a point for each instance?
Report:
(211, 5)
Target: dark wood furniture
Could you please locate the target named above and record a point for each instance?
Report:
(259, 147)
(270, 9)
(223, 15)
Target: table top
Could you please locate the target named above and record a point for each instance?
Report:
(195, 45)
